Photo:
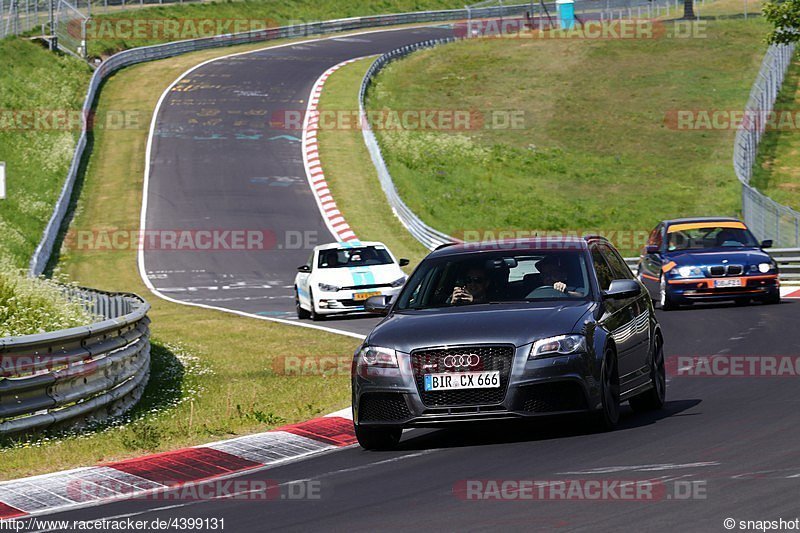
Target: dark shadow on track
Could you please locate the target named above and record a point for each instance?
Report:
(543, 429)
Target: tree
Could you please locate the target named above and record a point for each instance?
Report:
(688, 9)
(784, 16)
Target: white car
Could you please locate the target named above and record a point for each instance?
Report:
(339, 277)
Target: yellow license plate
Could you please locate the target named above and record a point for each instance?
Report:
(364, 295)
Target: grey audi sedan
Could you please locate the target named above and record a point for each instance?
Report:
(509, 330)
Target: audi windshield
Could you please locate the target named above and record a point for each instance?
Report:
(496, 278)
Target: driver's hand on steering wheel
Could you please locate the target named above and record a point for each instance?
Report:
(560, 286)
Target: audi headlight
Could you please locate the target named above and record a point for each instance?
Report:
(690, 272)
(398, 282)
(327, 288)
(377, 356)
(560, 345)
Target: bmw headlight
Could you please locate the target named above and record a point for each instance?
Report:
(560, 345)
(328, 288)
(378, 357)
(690, 272)
(398, 282)
(764, 267)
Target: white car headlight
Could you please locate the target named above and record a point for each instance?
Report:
(327, 288)
(377, 356)
(764, 267)
(398, 282)
(560, 345)
(690, 272)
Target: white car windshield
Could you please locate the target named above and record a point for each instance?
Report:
(354, 257)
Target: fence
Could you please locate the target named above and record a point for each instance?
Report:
(765, 217)
(77, 376)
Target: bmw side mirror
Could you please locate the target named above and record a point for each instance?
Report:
(304, 268)
(403, 262)
(378, 305)
(767, 243)
(621, 289)
(651, 249)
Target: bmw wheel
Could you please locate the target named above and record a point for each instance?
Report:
(654, 398)
(301, 313)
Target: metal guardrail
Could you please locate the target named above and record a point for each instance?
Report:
(428, 236)
(80, 375)
(149, 53)
(764, 216)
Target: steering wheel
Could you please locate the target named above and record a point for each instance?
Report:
(547, 291)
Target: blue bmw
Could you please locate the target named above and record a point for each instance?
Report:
(692, 260)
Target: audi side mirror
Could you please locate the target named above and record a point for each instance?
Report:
(621, 289)
(304, 268)
(403, 262)
(767, 243)
(377, 305)
(651, 249)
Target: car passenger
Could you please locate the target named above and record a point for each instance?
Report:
(552, 275)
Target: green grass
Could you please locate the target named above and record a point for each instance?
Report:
(595, 153)
(777, 169)
(213, 374)
(271, 13)
(351, 175)
(29, 306)
(37, 158)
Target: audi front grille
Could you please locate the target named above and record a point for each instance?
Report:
(462, 359)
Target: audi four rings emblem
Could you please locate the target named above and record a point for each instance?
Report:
(452, 361)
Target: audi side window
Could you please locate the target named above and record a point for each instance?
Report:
(601, 268)
(619, 270)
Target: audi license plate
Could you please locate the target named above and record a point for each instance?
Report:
(733, 282)
(463, 380)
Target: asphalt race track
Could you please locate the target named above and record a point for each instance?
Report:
(738, 437)
(223, 158)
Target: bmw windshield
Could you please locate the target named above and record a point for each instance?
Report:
(497, 278)
(711, 236)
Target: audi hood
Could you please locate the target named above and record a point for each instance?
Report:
(505, 323)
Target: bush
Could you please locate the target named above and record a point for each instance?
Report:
(38, 305)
